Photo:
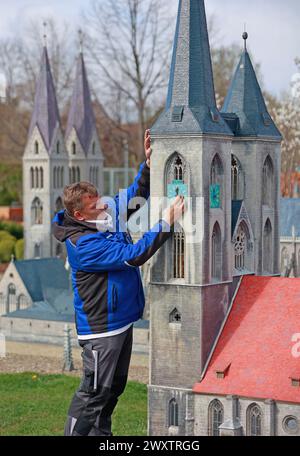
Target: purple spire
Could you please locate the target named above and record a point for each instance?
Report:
(45, 113)
(81, 116)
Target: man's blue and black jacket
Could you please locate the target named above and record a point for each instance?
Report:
(108, 291)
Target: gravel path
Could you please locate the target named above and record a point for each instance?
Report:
(30, 357)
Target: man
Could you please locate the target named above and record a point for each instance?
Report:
(108, 293)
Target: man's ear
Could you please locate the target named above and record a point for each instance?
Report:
(78, 215)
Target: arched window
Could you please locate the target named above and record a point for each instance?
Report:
(237, 179)
(216, 253)
(37, 250)
(176, 182)
(241, 247)
(267, 182)
(36, 177)
(58, 204)
(215, 417)
(175, 316)
(78, 174)
(22, 302)
(178, 254)
(36, 147)
(11, 298)
(57, 147)
(173, 413)
(216, 182)
(41, 177)
(93, 148)
(267, 248)
(36, 212)
(176, 169)
(254, 417)
(73, 148)
(31, 177)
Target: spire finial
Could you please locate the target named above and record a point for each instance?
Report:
(45, 33)
(80, 34)
(245, 37)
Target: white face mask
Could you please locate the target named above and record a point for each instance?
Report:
(104, 224)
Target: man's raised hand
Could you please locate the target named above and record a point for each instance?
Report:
(147, 147)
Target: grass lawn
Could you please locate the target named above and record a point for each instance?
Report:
(33, 404)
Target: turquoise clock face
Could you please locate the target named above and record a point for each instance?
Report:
(215, 197)
(177, 187)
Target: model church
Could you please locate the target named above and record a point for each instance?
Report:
(52, 160)
(224, 326)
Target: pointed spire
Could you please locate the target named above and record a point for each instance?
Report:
(191, 104)
(45, 113)
(245, 99)
(81, 115)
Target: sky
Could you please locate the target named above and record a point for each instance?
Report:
(272, 25)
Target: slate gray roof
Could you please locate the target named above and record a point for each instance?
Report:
(45, 113)
(81, 115)
(47, 282)
(289, 216)
(42, 275)
(246, 100)
(191, 105)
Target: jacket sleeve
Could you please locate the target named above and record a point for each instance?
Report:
(96, 253)
(139, 188)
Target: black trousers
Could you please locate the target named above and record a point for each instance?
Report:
(105, 372)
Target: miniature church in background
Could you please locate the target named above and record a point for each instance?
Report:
(218, 308)
(52, 160)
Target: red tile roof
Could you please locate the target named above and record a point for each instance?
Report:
(260, 341)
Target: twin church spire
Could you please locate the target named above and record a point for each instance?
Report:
(246, 101)
(81, 115)
(191, 105)
(45, 114)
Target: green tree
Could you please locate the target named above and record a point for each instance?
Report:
(19, 249)
(6, 236)
(10, 183)
(13, 228)
(6, 250)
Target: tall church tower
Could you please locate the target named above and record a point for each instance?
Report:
(45, 165)
(82, 142)
(191, 151)
(256, 150)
